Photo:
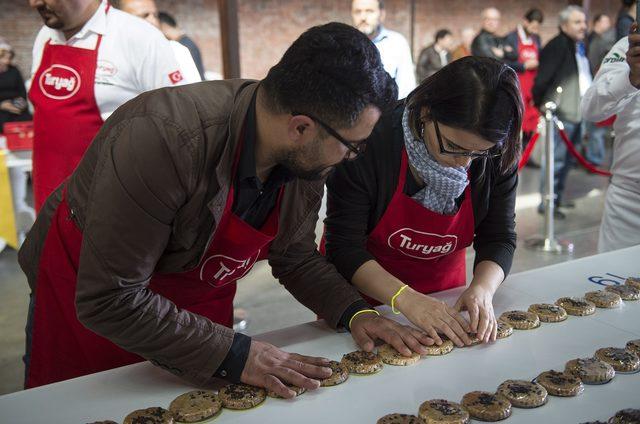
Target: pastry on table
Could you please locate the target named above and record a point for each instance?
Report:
(443, 349)
(521, 320)
(194, 406)
(523, 393)
(297, 390)
(241, 396)
(473, 337)
(391, 356)
(604, 298)
(633, 346)
(560, 383)
(590, 370)
(103, 422)
(486, 406)
(440, 411)
(577, 306)
(339, 375)
(625, 291)
(360, 362)
(400, 419)
(153, 415)
(621, 360)
(504, 330)
(548, 312)
(626, 416)
(633, 281)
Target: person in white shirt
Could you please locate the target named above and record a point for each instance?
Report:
(368, 16)
(88, 59)
(616, 90)
(147, 10)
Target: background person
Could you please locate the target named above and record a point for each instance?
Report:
(436, 56)
(488, 43)
(439, 174)
(13, 94)
(172, 31)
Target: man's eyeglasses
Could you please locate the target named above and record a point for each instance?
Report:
(459, 151)
(357, 148)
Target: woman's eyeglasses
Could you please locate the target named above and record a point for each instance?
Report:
(458, 151)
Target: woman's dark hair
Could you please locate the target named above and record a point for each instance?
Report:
(333, 71)
(475, 94)
(534, 15)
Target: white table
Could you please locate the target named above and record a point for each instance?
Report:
(112, 394)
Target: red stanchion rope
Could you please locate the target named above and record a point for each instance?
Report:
(526, 154)
(580, 158)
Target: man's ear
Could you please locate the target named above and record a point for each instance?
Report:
(299, 128)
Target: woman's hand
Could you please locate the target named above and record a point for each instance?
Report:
(8, 106)
(434, 316)
(478, 302)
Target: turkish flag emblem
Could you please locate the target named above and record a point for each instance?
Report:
(176, 77)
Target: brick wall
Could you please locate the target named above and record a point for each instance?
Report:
(267, 27)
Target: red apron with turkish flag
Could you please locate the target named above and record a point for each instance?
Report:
(66, 115)
(528, 51)
(420, 247)
(63, 348)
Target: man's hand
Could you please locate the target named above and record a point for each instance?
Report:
(633, 57)
(434, 316)
(478, 301)
(8, 106)
(367, 327)
(271, 368)
(497, 52)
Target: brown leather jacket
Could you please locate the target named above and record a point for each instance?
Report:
(147, 196)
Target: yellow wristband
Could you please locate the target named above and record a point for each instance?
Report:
(393, 300)
(362, 312)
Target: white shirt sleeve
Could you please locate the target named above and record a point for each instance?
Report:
(405, 77)
(159, 67)
(186, 63)
(611, 90)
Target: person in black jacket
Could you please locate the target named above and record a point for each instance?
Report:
(13, 96)
(436, 56)
(564, 76)
(488, 43)
(439, 174)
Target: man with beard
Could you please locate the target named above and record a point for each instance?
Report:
(88, 59)
(181, 192)
(368, 16)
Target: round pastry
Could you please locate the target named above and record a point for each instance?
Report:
(360, 362)
(486, 406)
(594, 422)
(391, 356)
(241, 396)
(590, 370)
(633, 346)
(576, 306)
(297, 390)
(400, 419)
(604, 299)
(340, 375)
(621, 360)
(626, 416)
(560, 383)
(440, 411)
(443, 349)
(521, 320)
(548, 312)
(103, 422)
(504, 330)
(153, 415)
(473, 337)
(194, 406)
(523, 393)
(625, 291)
(633, 281)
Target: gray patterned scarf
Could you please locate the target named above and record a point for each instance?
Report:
(443, 184)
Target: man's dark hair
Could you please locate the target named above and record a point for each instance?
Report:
(534, 15)
(476, 94)
(332, 71)
(442, 33)
(166, 18)
(628, 3)
(598, 17)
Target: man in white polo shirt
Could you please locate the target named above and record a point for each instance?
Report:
(88, 59)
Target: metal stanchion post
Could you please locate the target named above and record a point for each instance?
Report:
(548, 243)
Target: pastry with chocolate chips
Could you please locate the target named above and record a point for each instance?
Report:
(487, 406)
(194, 406)
(241, 396)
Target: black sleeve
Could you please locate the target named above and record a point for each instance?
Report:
(511, 59)
(422, 67)
(22, 91)
(349, 207)
(549, 64)
(233, 364)
(481, 46)
(495, 238)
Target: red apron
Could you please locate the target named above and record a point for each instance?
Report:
(66, 116)
(62, 348)
(527, 78)
(420, 247)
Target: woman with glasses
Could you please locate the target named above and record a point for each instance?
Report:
(439, 174)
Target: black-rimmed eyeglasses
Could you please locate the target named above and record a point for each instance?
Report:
(461, 151)
(357, 148)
